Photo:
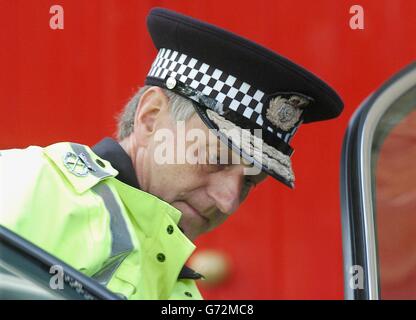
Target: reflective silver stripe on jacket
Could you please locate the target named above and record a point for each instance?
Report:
(121, 244)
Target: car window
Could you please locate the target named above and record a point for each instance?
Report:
(15, 287)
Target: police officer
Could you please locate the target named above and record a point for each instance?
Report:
(117, 213)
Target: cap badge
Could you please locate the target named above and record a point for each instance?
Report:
(284, 113)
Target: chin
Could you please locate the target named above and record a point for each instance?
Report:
(191, 222)
(190, 232)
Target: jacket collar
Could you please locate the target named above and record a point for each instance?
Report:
(111, 150)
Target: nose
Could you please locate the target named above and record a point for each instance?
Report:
(225, 189)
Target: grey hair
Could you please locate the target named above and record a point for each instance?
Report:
(181, 110)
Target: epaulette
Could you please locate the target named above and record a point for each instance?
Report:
(79, 164)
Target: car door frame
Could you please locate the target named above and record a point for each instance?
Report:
(359, 232)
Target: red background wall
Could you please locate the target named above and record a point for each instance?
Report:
(67, 85)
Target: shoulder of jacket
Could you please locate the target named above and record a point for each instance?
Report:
(79, 164)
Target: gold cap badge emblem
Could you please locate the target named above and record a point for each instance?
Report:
(284, 113)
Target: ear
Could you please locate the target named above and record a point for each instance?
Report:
(152, 106)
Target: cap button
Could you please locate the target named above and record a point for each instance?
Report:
(171, 83)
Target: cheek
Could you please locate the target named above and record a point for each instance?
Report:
(162, 185)
(171, 182)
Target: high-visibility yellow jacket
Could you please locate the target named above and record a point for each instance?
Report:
(66, 200)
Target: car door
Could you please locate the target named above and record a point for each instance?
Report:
(29, 273)
(378, 193)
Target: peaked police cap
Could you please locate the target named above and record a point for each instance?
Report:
(235, 83)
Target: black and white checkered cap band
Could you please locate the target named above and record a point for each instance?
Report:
(233, 93)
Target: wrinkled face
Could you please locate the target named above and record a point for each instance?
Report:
(206, 192)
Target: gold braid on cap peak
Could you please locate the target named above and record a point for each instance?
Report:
(274, 160)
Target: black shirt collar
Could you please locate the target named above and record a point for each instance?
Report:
(110, 150)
